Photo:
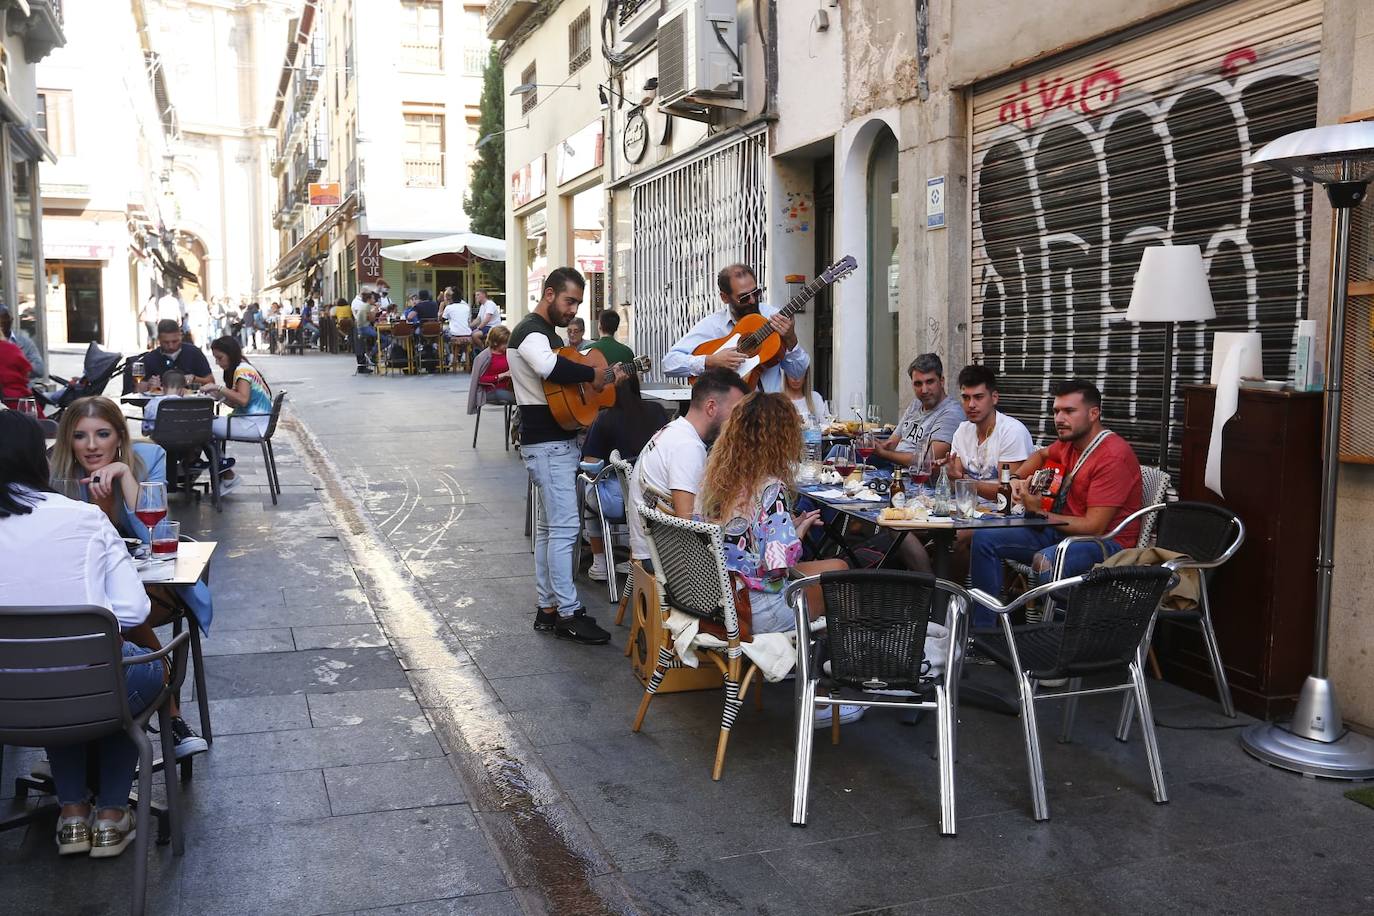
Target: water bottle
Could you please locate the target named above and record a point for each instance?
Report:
(811, 443)
(943, 498)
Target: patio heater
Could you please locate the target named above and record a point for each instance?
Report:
(1340, 157)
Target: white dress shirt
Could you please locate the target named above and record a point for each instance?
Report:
(680, 363)
(77, 558)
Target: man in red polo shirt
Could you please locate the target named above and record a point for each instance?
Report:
(1098, 486)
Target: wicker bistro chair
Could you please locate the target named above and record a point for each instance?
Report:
(1154, 484)
(1209, 535)
(248, 433)
(689, 568)
(62, 683)
(587, 484)
(1103, 633)
(183, 428)
(622, 470)
(876, 628)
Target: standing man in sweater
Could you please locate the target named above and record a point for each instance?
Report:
(551, 454)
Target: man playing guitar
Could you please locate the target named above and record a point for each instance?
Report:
(740, 291)
(551, 454)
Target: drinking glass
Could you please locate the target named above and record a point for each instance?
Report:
(920, 472)
(842, 456)
(151, 506)
(166, 536)
(136, 371)
(966, 497)
(28, 407)
(856, 404)
(875, 414)
(864, 446)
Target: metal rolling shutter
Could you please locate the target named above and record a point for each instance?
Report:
(689, 223)
(1077, 168)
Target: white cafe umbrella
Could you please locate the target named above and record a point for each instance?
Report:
(460, 243)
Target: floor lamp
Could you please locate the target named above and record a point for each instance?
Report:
(1170, 286)
(1316, 743)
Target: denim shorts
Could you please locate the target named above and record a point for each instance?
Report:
(771, 613)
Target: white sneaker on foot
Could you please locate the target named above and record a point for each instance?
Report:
(597, 572)
(847, 714)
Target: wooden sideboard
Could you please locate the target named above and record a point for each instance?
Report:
(1264, 598)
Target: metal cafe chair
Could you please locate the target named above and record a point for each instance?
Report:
(876, 624)
(247, 433)
(1106, 621)
(182, 427)
(62, 683)
(690, 573)
(587, 484)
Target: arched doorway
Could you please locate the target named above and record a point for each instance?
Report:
(885, 386)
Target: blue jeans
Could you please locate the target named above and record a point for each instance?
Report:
(612, 500)
(553, 468)
(364, 339)
(116, 753)
(1024, 545)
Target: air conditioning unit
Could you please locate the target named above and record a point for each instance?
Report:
(635, 19)
(698, 55)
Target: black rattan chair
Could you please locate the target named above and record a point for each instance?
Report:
(876, 628)
(1106, 622)
(182, 426)
(62, 682)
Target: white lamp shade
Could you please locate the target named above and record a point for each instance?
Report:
(1171, 285)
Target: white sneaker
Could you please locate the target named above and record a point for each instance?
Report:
(847, 714)
(227, 485)
(597, 572)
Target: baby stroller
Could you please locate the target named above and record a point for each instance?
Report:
(98, 368)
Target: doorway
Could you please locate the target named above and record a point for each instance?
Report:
(884, 207)
(822, 362)
(85, 323)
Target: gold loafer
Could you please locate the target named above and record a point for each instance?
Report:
(110, 837)
(73, 836)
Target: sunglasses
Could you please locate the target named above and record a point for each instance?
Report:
(754, 295)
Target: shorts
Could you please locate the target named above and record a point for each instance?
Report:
(771, 612)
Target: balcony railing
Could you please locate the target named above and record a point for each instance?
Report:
(429, 57)
(426, 172)
(475, 61)
(505, 16)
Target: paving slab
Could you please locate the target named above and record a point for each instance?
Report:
(316, 671)
(392, 786)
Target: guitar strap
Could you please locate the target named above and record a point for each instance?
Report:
(1061, 499)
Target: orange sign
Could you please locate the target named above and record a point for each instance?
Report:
(325, 194)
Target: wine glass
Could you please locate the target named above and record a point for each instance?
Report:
(28, 407)
(875, 415)
(920, 470)
(864, 446)
(151, 506)
(136, 372)
(856, 404)
(843, 458)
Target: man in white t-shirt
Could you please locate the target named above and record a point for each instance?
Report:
(170, 308)
(487, 317)
(674, 462)
(988, 438)
(457, 313)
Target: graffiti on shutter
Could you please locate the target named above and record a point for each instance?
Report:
(688, 224)
(1078, 169)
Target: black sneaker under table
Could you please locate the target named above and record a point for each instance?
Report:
(545, 620)
(187, 741)
(582, 613)
(581, 629)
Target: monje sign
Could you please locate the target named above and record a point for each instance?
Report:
(369, 260)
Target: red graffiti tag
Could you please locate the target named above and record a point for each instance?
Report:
(1234, 62)
(1096, 92)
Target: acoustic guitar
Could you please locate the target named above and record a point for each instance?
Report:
(754, 336)
(575, 406)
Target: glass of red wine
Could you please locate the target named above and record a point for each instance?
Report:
(152, 506)
(920, 470)
(843, 457)
(166, 536)
(865, 446)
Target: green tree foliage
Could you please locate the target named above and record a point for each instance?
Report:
(485, 202)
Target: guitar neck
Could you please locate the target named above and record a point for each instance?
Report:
(794, 305)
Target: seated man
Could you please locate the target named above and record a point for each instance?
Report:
(172, 353)
(1098, 477)
(612, 349)
(928, 424)
(673, 462)
(988, 438)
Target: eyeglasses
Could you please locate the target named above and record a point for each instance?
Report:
(754, 295)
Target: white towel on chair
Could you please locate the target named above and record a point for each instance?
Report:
(775, 654)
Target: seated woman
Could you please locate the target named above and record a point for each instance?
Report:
(808, 403)
(624, 428)
(93, 447)
(748, 475)
(495, 378)
(246, 391)
(84, 562)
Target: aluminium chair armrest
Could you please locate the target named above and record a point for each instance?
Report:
(997, 607)
(1137, 514)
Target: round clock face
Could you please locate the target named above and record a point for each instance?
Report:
(636, 139)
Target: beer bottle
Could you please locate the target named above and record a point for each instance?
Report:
(897, 492)
(1004, 500)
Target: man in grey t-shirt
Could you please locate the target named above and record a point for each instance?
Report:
(927, 427)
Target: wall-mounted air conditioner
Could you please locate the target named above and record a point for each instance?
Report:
(698, 55)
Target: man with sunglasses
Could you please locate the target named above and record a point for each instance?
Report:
(740, 291)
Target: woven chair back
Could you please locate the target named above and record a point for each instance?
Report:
(876, 625)
(689, 561)
(276, 414)
(1107, 615)
(1154, 484)
(1201, 530)
(183, 424)
(61, 676)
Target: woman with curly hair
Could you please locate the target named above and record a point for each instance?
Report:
(745, 491)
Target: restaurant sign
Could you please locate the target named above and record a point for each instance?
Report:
(325, 194)
(369, 260)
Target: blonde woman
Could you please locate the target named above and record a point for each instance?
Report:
(808, 403)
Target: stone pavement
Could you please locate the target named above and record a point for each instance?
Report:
(391, 733)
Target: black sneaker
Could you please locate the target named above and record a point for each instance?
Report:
(582, 613)
(581, 629)
(545, 620)
(188, 742)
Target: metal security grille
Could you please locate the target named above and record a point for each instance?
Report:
(1077, 169)
(1357, 404)
(688, 224)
